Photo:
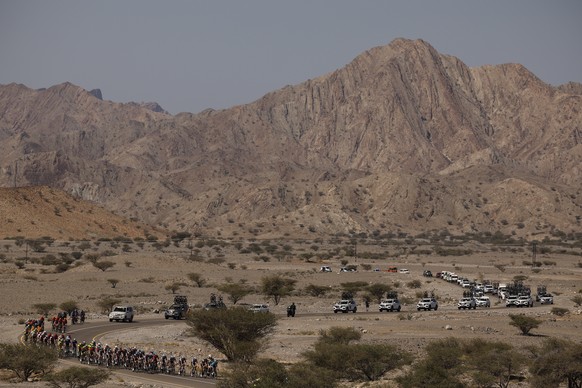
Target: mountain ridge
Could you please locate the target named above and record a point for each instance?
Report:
(382, 143)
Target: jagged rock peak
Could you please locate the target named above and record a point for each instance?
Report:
(96, 93)
(153, 106)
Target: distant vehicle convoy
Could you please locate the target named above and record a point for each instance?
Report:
(514, 295)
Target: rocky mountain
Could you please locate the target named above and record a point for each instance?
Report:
(40, 211)
(403, 138)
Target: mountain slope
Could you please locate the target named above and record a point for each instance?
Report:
(402, 138)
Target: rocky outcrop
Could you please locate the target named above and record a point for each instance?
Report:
(402, 137)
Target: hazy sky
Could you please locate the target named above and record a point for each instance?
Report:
(191, 55)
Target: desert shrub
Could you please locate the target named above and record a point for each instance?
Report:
(197, 279)
(577, 299)
(63, 267)
(44, 308)
(27, 360)
(77, 377)
(77, 255)
(524, 323)
(276, 287)
(378, 290)
(173, 287)
(68, 306)
(50, 260)
(216, 260)
(556, 363)
(237, 333)
(559, 311)
(107, 304)
(103, 265)
(267, 373)
(414, 284)
(150, 279)
(235, 291)
(113, 282)
(316, 290)
(359, 362)
(366, 267)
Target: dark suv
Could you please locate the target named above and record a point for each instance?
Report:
(179, 309)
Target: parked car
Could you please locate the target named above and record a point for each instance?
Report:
(427, 273)
(488, 288)
(524, 301)
(348, 269)
(483, 301)
(467, 303)
(392, 269)
(404, 270)
(259, 308)
(121, 313)
(325, 268)
(345, 306)
(427, 304)
(466, 283)
(389, 305)
(546, 299)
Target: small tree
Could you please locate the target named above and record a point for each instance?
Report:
(378, 290)
(174, 287)
(493, 363)
(315, 290)
(197, 279)
(44, 308)
(277, 287)
(68, 306)
(237, 333)
(103, 265)
(524, 323)
(555, 362)
(235, 291)
(113, 282)
(577, 299)
(268, 373)
(107, 304)
(333, 351)
(26, 360)
(77, 377)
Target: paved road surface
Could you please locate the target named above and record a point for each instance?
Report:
(95, 330)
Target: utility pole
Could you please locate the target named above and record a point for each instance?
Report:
(534, 251)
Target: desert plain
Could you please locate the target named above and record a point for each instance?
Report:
(144, 271)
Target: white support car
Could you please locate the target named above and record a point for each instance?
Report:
(546, 299)
(389, 305)
(483, 301)
(121, 313)
(345, 306)
(427, 304)
(467, 303)
(259, 308)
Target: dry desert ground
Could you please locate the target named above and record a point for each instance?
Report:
(144, 272)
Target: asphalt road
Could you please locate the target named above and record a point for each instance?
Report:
(95, 330)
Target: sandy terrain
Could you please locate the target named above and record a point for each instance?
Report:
(142, 284)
